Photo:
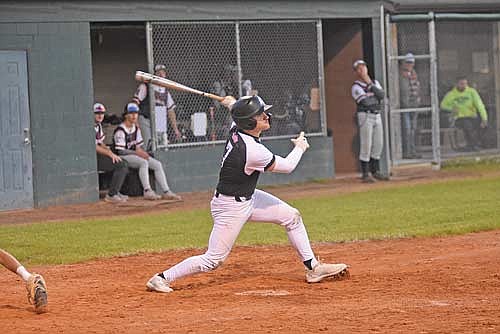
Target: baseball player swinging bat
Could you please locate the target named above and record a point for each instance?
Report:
(157, 80)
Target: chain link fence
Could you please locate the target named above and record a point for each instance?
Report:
(277, 60)
(464, 50)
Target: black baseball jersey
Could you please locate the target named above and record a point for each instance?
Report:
(244, 159)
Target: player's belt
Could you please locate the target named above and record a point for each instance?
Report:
(236, 198)
(370, 111)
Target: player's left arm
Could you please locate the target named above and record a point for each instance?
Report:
(288, 164)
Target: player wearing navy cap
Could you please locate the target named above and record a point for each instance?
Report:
(127, 143)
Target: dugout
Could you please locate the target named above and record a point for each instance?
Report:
(58, 57)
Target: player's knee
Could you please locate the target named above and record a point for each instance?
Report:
(123, 164)
(295, 220)
(154, 164)
(212, 262)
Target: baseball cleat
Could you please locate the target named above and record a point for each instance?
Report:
(337, 271)
(367, 179)
(114, 199)
(151, 195)
(170, 195)
(158, 284)
(381, 177)
(37, 293)
(122, 196)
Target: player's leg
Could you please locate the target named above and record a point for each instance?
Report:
(376, 149)
(269, 208)
(365, 144)
(35, 284)
(160, 177)
(119, 170)
(229, 216)
(145, 126)
(11, 263)
(135, 161)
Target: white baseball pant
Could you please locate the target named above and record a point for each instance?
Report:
(371, 137)
(229, 216)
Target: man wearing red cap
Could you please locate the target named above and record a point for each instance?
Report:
(107, 161)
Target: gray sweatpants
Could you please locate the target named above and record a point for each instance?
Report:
(371, 136)
(135, 161)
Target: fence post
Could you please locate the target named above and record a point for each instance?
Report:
(321, 77)
(238, 58)
(384, 24)
(436, 140)
(151, 93)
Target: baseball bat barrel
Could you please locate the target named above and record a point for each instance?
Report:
(164, 82)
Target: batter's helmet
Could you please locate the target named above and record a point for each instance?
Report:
(245, 109)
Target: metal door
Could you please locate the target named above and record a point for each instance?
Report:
(16, 176)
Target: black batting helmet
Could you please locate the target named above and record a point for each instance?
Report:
(245, 109)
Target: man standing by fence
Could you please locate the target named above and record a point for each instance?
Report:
(468, 111)
(409, 96)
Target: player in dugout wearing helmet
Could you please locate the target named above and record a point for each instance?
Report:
(237, 200)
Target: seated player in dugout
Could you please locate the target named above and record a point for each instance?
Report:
(164, 108)
(237, 200)
(35, 284)
(107, 161)
(127, 143)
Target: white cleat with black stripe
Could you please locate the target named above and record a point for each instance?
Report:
(337, 271)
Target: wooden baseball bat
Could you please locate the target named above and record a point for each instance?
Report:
(157, 80)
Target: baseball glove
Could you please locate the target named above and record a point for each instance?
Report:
(37, 293)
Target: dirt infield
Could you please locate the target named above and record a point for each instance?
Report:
(435, 285)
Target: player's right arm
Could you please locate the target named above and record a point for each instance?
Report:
(104, 150)
(448, 101)
(140, 93)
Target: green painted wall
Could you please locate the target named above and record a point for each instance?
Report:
(60, 97)
(197, 168)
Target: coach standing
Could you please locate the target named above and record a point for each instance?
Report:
(369, 96)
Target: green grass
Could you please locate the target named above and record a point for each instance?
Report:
(474, 164)
(454, 207)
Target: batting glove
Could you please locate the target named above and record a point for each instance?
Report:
(228, 102)
(301, 142)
